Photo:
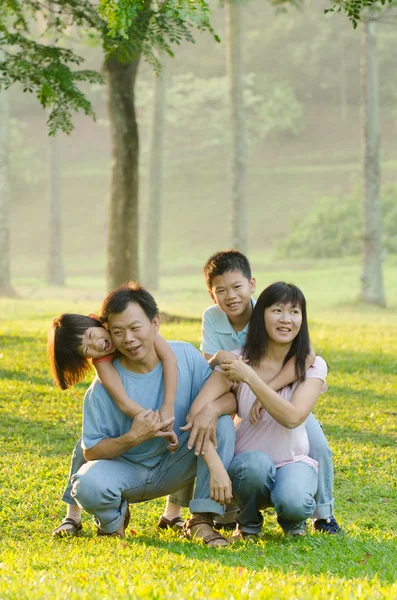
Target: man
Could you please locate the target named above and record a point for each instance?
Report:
(128, 460)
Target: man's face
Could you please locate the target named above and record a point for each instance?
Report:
(133, 333)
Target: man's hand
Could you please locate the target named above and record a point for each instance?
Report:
(220, 485)
(256, 412)
(147, 425)
(203, 429)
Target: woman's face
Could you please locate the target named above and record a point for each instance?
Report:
(283, 322)
(96, 342)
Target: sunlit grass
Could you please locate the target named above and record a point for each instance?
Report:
(40, 424)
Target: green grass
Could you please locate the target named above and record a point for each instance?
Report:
(39, 426)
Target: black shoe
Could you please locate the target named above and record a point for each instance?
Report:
(329, 526)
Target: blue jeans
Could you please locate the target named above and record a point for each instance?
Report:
(104, 488)
(257, 484)
(321, 452)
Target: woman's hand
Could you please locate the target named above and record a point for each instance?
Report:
(220, 484)
(256, 412)
(237, 370)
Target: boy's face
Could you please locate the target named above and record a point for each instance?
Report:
(232, 291)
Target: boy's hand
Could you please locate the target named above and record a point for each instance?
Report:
(220, 485)
(203, 429)
(256, 412)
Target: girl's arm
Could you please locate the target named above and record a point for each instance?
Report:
(110, 378)
(287, 375)
(170, 370)
(289, 414)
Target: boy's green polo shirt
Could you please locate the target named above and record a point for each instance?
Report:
(217, 332)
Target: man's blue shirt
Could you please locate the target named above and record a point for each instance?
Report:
(103, 419)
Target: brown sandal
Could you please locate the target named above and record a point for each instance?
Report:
(175, 524)
(208, 538)
(75, 528)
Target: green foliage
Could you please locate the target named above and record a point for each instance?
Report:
(354, 8)
(333, 228)
(281, 112)
(40, 424)
(126, 29)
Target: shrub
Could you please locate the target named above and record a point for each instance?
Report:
(333, 228)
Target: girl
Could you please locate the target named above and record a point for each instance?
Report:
(272, 466)
(73, 342)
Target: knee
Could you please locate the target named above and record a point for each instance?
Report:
(294, 506)
(253, 470)
(87, 489)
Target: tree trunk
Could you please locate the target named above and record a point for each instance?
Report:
(122, 258)
(372, 290)
(234, 67)
(153, 220)
(5, 279)
(55, 273)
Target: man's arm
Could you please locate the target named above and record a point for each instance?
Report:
(146, 425)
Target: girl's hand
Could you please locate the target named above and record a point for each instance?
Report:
(256, 412)
(165, 414)
(236, 370)
(220, 485)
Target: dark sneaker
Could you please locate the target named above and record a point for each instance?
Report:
(329, 526)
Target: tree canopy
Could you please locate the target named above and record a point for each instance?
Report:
(47, 68)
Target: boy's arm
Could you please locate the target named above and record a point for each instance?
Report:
(287, 375)
(170, 371)
(215, 360)
(110, 378)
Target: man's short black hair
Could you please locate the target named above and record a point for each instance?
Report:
(226, 260)
(118, 300)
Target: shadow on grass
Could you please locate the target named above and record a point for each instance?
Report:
(360, 436)
(349, 362)
(339, 556)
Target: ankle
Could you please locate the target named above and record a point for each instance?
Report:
(171, 511)
(73, 512)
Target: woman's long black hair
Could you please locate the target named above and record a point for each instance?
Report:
(257, 337)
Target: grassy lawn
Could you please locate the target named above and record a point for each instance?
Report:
(40, 424)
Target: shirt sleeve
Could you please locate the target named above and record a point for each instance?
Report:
(318, 370)
(210, 344)
(106, 358)
(95, 417)
(199, 369)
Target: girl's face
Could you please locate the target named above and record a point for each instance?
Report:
(283, 322)
(96, 342)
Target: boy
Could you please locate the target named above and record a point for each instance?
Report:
(224, 328)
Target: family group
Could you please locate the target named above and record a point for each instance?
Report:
(227, 432)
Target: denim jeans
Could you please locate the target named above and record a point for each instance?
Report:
(321, 452)
(257, 484)
(105, 487)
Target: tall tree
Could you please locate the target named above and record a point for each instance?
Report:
(372, 290)
(55, 270)
(234, 68)
(5, 278)
(126, 30)
(155, 182)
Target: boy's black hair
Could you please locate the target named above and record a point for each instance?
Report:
(257, 338)
(117, 301)
(68, 367)
(226, 260)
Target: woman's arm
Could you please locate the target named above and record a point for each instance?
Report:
(287, 375)
(170, 371)
(110, 378)
(289, 414)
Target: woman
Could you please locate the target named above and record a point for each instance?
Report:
(271, 466)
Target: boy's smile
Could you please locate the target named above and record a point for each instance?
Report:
(232, 291)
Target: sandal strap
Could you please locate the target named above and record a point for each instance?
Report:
(198, 520)
(164, 523)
